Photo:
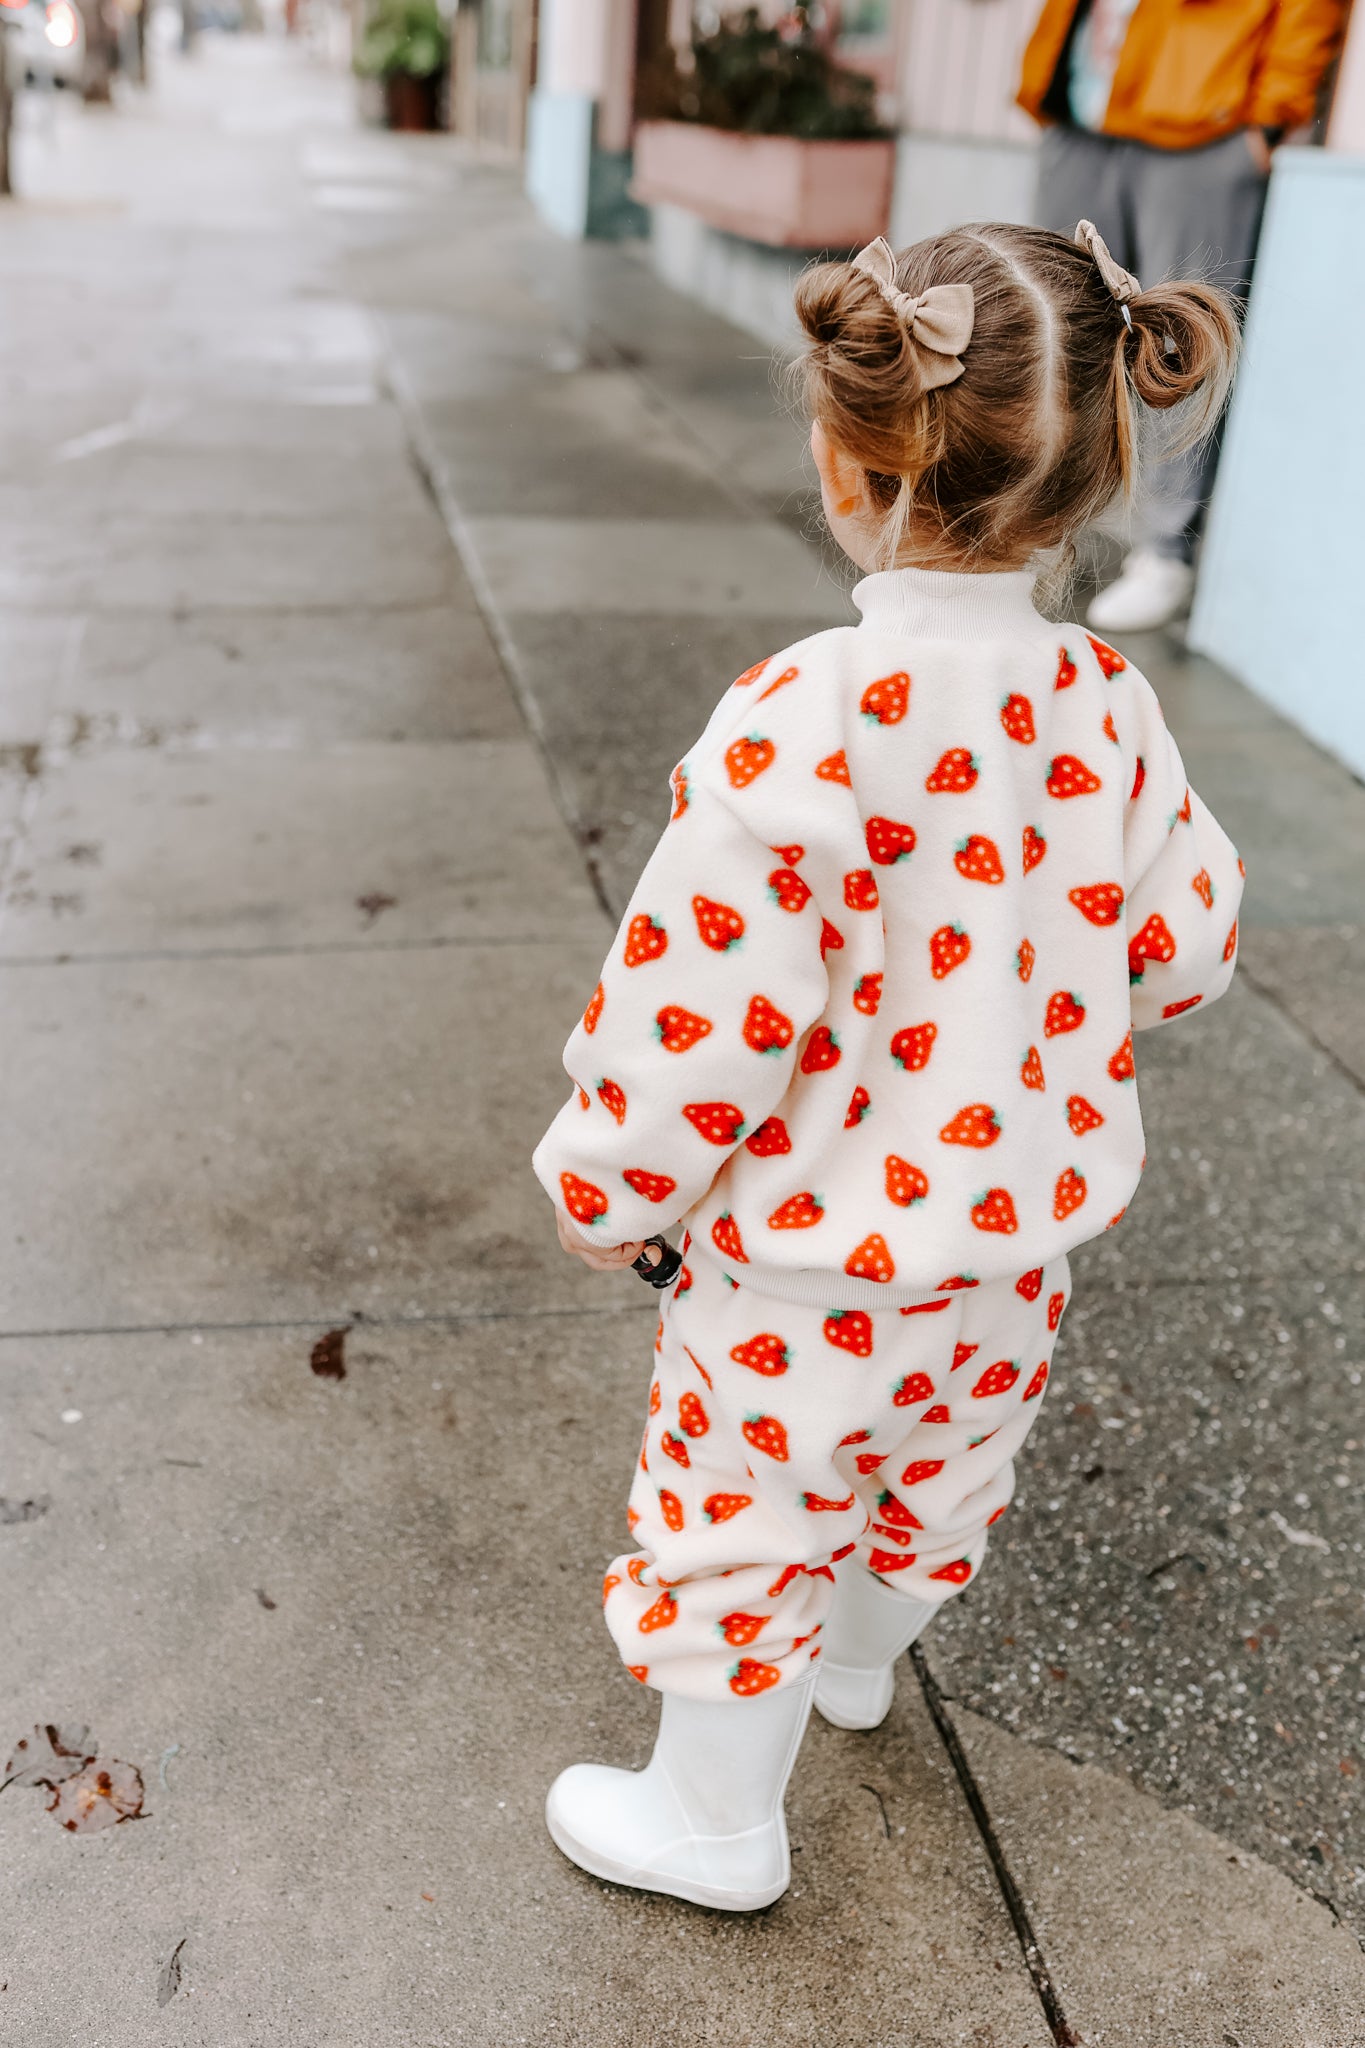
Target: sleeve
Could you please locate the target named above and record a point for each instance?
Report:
(1183, 882)
(689, 1039)
(1301, 41)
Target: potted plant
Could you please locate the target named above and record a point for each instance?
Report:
(760, 131)
(406, 46)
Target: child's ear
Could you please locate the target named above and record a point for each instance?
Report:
(841, 478)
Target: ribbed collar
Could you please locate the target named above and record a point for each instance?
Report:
(941, 604)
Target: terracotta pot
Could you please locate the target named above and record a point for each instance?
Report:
(411, 103)
(775, 189)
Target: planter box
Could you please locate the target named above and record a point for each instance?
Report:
(775, 189)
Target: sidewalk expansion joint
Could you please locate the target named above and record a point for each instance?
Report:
(336, 1319)
(1063, 2033)
(1296, 1024)
(436, 944)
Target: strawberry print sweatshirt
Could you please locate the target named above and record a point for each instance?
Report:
(867, 1025)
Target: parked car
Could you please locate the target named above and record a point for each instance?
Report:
(48, 46)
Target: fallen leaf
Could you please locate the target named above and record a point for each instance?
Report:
(22, 1510)
(374, 904)
(100, 1796)
(264, 1598)
(328, 1356)
(168, 1983)
(50, 1755)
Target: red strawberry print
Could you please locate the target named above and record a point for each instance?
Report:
(915, 1389)
(860, 890)
(887, 700)
(893, 1535)
(1035, 846)
(1031, 1072)
(1121, 1066)
(788, 890)
(750, 1677)
(834, 768)
(1068, 775)
(640, 1671)
(720, 1123)
(784, 1579)
(584, 1099)
(693, 1419)
(613, 1097)
(645, 941)
(1109, 729)
(822, 1051)
(662, 1614)
(1068, 1194)
(850, 1329)
(896, 1513)
(771, 1138)
(673, 1447)
(684, 1282)
(913, 1045)
(1055, 1304)
(651, 1187)
(948, 948)
(905, 1184)
(855, 1436)
(593, 1014)
(656, 1397)
(1029, 1285)
(1016, 715)
(609, 1585)
(1024, 959)
(678, 1029)
(671, 1509)
(977, 1124)
(953, 773)
(831, 939)
(767, 1354)
(962, 1353)
(766, 1434)
(1065, 1012)
(957, 1573)
(859, 1104)
(925, 1308)
(751, 675)
(677, 782)
(1082, 1115)
(745, 759)
(996, 1379)
(955, 1280)
(1066, 670)
(921, 1468)
(1178, 1009)
(799, 1212)
(792, 854)
(726, 1238)
(740, 1629)
(887, 1560)
(1154, 942)
(1111, 663)
(977, 859)
(1231, 946)
(719, 926)
(1139, 777)
(765, 1027)
(1100, 902)
(888, 841)
(867, 995)
(938, 1413)
(719, 1507)
(584, 1202)
(636, 1571)
(816, 1504)
(995, 1211)
(871, 1260)
(788, 675)
(1037, 1383)
(868, 1461)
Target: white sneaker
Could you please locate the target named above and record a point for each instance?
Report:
(1149, 591)
(704, 1820)
(869, 1628)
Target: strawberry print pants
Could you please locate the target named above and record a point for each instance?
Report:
(784, 1444)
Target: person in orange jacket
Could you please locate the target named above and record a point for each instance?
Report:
(1161, 116)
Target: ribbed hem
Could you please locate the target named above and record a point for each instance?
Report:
(814, 1287)
(946, 604)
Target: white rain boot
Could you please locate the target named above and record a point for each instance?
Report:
(704, 1820)
(1150, 591)
(869, 1628)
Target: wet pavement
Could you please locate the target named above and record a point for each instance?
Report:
(311, 822)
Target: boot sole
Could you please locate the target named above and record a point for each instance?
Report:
(853, 1727)
(598, 1865)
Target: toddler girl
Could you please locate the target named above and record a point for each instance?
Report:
(867, 1030)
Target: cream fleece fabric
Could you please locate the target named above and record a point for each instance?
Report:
(867, 1023)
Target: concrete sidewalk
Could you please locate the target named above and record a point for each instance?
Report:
(312, 826)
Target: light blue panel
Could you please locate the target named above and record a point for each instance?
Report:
(1281, 597)
(559, 135)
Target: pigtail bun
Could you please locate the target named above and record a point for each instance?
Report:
(1183, 348)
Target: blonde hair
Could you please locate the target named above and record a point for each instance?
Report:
(1041, 431)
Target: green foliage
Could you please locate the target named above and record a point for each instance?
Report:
(403, 36)
(763, 80)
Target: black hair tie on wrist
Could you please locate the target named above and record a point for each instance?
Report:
(663, 1270)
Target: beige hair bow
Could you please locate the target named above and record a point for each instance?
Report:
(1122, 283)
(939, 321)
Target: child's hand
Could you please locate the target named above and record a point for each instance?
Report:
(593, 1255)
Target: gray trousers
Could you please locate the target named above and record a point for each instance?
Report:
(1165, 213)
